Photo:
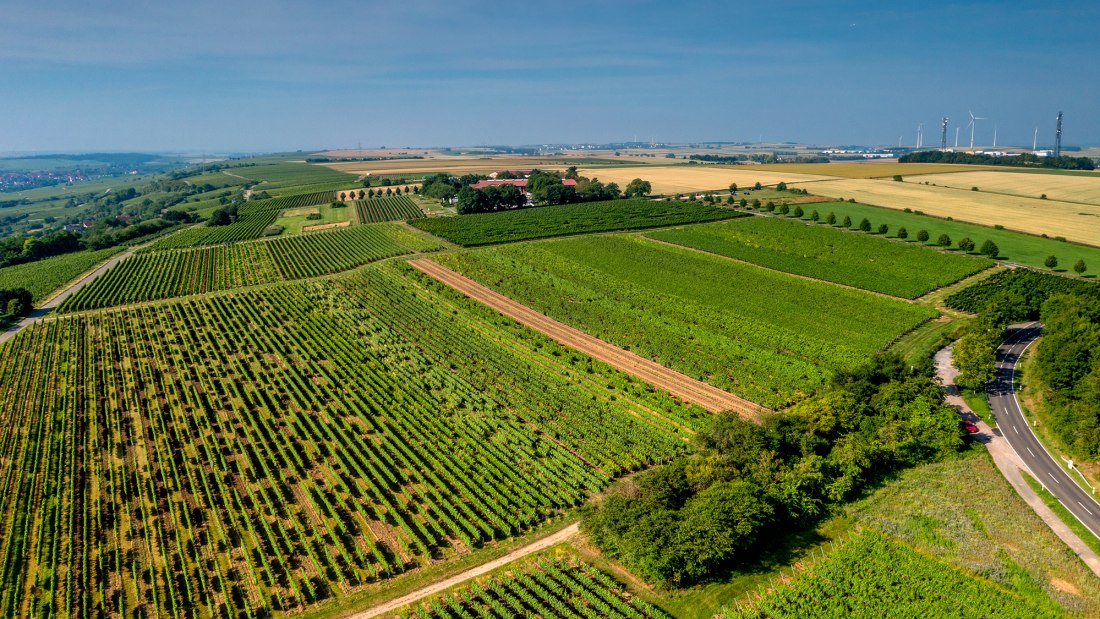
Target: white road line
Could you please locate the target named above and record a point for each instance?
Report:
(1085, 508)
(1053, 477)
(1017, 432)
(1029, 451)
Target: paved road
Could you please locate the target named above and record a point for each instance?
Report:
(57, 299)
(1014, 427)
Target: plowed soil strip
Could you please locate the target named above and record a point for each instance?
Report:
(679, 385)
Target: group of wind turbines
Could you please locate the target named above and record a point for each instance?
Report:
(972, 125)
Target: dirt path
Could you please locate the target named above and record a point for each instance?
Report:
(59, 297)
(680, 385)
(1011, 466)
(484, 568)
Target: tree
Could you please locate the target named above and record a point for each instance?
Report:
(865, 225)
(743, 202)
(897, 178)
(361, 194)
(847, 223)
(638, 188)
(944, 241)
(1080, 268)
(974, 354)
(220, 217)
(966, 244)
(1051, 262)
(814, 216)
(370, 193)
(757, 186)
(733, 189)
(883, 228)
(797, 212)
(781, 186)
(989, 248)
(756, 202)
(903, 233)
(831, 218)
(783, 208)
(922, 236)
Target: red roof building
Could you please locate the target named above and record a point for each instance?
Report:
(521, 183)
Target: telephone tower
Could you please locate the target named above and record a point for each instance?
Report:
(943, 135)
(1058, 137)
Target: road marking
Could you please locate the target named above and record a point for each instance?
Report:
(1017, 432)
(1086, 509)
(1053, 477)
(1030, 452)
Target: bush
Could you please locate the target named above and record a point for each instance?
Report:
(897, 178)
(797, 212)
(865, 225)
(966, 244)
(903, 233)
(814, 216)
(1080, 268)
(922, 236)
(989, 248)
(831, 218)
(883, 228)
(1051, 262)
(944, 241)
(847, 222)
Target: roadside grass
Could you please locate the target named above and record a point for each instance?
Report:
(964, 511)
(1063, 514)
(920, 344)
(978, 403)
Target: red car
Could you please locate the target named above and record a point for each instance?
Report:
(969, 427)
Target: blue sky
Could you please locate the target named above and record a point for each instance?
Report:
(285, 75)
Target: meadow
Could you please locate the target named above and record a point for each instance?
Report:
(296, 220)
(549, 221)
(1061, 187)
(1076, 222)
(1014, 247)
(744, 329)
(173, 273)
(684, 178)
(849, 258)
(264, 450)
(45, 276)
(870, 573)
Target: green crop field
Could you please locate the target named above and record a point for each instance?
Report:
(534, 223)
(1015, 246)
(398, 208)
(159, 275)
(872, 576)
(853, 259)
(765, 336)
(44, 276)
(548, 589)
(263, 450)
(282, 175)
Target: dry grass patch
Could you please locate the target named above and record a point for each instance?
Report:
(688, 178)
(1076, 222)
(1055, 186)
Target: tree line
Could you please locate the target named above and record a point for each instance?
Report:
(544, 187)
(1063, 162)
(745, 483)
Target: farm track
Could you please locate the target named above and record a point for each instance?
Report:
(441, 586)
(676, 383)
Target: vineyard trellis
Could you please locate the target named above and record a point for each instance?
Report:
(260, 451)
(397, 208)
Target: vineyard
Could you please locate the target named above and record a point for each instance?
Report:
(870, 576)
(765, 336)
(853, 259)
(534, 223)
(548, 589)
(398, 208)
(164, 274)
(260, 451)
(44, 276)
(252, 218)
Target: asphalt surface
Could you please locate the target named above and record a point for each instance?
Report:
(1015, 429)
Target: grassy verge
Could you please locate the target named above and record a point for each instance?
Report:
(1063, 514)
(978, 403)
(923, 342)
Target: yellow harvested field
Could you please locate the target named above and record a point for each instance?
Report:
(1056, 186)
(688, 178)
(870, 169)
(1076, 222)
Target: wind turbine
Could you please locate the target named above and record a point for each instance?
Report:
(956, 137)
(973, 118)
(994, 135)
(1035, 139)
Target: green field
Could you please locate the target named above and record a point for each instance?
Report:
(535, 223)
(1015, 246)
(173, 273)
(263, 450)
(548, 589)
(399, 208)
(765, 336)
(295, 220)
(872, 576)
(44, 276)
(852, 259)
(279, 176)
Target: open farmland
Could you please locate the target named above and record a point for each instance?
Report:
(1076, 222)
(263, 450)
(461, 164)
(1060, 187)
(44, 276)
(744, 329)
(1014, 246)
(565, 219)
(870, 169)
(160, 275)
(683, 178)
(548, 588)
(870, 573)
(852, 259)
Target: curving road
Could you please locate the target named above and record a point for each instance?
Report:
(1015, 429)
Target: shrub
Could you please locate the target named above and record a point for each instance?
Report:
(966, 244)
(883, 228)
(865, 225)
(814, 216)
(1051, 262)
(831, 219)
(797, 212)
(944, 241)
(922, 236)
(1080, 268)
(989, 248)
(847, 222)
(903, 233)
(897, 178)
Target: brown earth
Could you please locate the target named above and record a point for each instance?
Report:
(676, 383)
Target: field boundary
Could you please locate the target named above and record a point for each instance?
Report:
(676, 383)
